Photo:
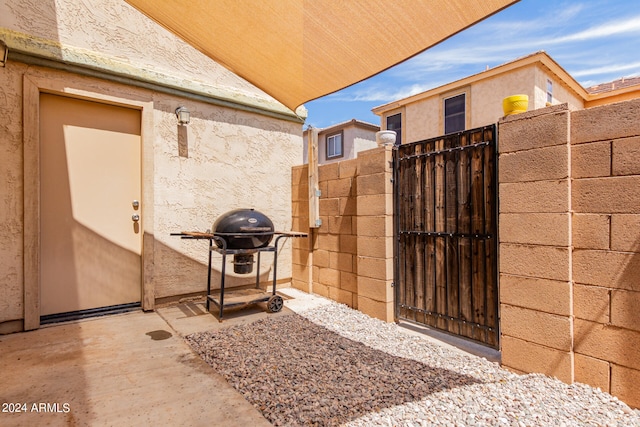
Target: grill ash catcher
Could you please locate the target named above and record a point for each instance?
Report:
(245, 234)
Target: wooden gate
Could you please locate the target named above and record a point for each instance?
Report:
(445, 195)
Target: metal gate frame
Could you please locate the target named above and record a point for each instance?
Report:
(445, 251)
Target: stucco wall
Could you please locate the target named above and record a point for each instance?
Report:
(362, 140)
(232, 160)
(11, 192)
(226, 158)
(364, 143)
(561, 92)
(487, 95)
(421, 120)
(425, 118)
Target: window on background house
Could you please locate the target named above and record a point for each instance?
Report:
(334, 145)
(395, 123)
(454, 114)
(549, 91)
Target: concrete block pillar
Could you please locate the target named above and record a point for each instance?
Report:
(535, 242)
(302, 252)
(375, 233)
(606, 247)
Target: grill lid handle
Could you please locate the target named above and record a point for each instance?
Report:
(255, 229)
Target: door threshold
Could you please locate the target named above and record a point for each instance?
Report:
(89, 313)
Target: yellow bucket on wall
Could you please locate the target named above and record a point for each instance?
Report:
(515, 104)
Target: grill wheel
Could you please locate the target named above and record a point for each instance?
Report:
(275, 303)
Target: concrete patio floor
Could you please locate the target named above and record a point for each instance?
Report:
(132, 369)
(126, 369)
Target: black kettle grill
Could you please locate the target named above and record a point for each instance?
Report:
(247, 230)
(242, 233)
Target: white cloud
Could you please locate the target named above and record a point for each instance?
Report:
(608, 69)
(609, 29)
(378, 92)
(542, 21)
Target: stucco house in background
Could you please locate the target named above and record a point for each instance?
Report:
(477, 100)
(342, 141)
(98, 171)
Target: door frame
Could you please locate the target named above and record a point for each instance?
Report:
(72, 87)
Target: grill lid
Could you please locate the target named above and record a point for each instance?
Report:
(244, 229)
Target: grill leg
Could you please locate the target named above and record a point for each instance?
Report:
(258, 272)
(222, 275)
(209, 274)
(275, 263)
(275, 270)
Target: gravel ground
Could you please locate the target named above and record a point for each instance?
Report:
(332, 365)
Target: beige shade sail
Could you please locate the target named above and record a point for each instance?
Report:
(300, 50)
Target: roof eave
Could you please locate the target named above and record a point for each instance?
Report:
(618, 95)
(537, 57)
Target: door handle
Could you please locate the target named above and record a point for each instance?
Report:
(135, 217)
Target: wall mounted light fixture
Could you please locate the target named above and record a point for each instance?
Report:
(4, 52)
(183, 115)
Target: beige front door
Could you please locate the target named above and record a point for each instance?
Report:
(90, 246)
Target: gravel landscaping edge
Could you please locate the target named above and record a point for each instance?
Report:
(332, 365)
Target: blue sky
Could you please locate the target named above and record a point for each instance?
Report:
(596, 41)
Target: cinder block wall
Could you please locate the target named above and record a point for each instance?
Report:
(349, 258)
(570, 245)
(569, 230)
(334, 258)
(302, 249)
(535, 253)
(605, 199)
(374, 226)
